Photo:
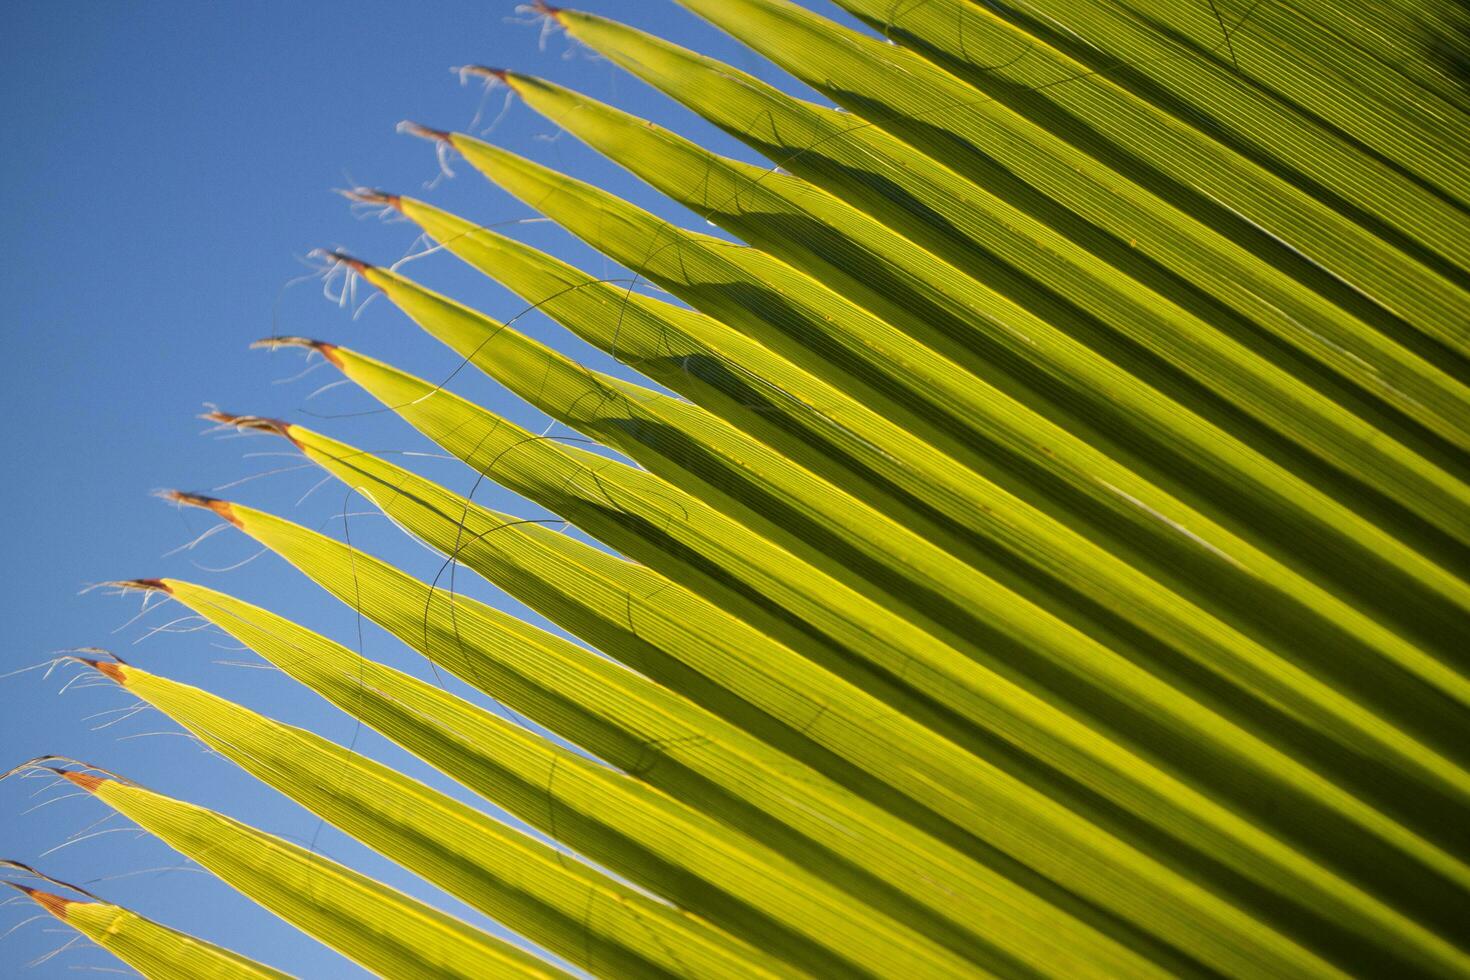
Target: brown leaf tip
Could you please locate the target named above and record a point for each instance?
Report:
(107, 668)
(342, 258)
(145, 584)
(53, 903)
(545, 9)
(255, 423)
(329, 351)
(369, 195)
(484, 71)
(85, 780)
(221, 507)
(424, 132)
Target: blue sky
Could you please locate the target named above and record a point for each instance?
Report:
(168, 165)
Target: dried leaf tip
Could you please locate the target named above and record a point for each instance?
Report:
(545, 9)
(484, 71)
(51, 902)
(85, 780)
(254, 423)
(369, 195)
(424, 132)
(329, 351)
(342, 258)
(144, 584)
(110, 669)
(221, 507)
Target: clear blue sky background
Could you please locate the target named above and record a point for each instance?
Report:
(167, 165)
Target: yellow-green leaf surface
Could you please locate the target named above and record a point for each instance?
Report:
(979, 229)
(631, 613)
(1210, 94)
(1041, 547)
(1130, 134)
(660, 525)
(902, 92)
(566, 906)
(645, 420)
(854, 254)
(835, 338)
(552, 899)
(1290, 51)
(154, 950)
(650, 733)
(381, 928)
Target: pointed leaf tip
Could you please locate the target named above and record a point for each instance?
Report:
(51, 902)
(424, 132)
(342, 258)
(371, 195)
(259, 423)
(110, 669)
(485, 71)
(144, 584)
(329, 351)
(85, 780)
(220, 507)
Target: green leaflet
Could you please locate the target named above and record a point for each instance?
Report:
(379, 927)
(1291, 53)
(1037, 267)
(905, 94)
(1406, 37)
(681, 443)
(651, 733)
(658, 524)
(821, 235)
(1369, 662)
(1101, 116)
(557, 902)
(1058, 568)
(718, 875)
(646, 620)
(154, 950)
(1209, 94)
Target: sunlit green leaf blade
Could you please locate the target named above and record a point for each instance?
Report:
(627, 610)
(154, 950)
(683, 856)
(569, 392)
(834, 338)
(649, 732)
(383, 929)
(979, 228)
(895, 277)
(660, 525)
(1097, 111)
(902, 92)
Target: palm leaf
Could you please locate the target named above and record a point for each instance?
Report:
(152, 949)
(379, 927)
(638, 726)
(1043, 554)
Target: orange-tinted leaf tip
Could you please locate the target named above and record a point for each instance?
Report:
(55, 904)
(369, 195)
(352, 262)
(329, 351)
(108, 668)
(147, 584)
(257, 423)
(85, 780)
(221, 507)
(484, 71)
(424, 132)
